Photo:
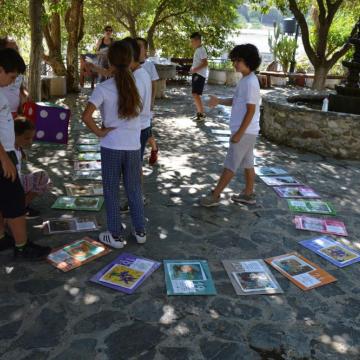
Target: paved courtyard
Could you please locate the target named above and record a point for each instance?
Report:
(47, 314)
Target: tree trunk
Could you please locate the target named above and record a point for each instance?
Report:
(321, 72)
(35, 15)
(150, 39)
(74, 26)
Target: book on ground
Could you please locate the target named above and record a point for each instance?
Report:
(87, 141)
(269, 171)
(188, 277)
(88, 203)
(89, 156)
(126, 273)
(296, 192)
(84, 190)
(221, 131)
(87, 175)
(332, 250)
(311, 206)
(279, 180)
(77, 253)
(325, 226)
(88, 148)
(301, 271)
(71, 224)
(251, 277)
(87, 165)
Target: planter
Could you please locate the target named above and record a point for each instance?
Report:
(331, 83)
(166, 71)
(300, 80)
(232, 77)
(278, 80)
(217, 77)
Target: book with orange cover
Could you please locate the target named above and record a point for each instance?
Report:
(301, 271)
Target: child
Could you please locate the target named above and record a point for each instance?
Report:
(120, 105)
(149, 66)
(199, 71)
(36, 183)
(12, 197)
(244, 126)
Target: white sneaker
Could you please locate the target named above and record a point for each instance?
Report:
(140, 237)
(107, 239)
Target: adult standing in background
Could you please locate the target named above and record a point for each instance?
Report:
(102, 48)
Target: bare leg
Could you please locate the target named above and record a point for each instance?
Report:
(249, 181)
(152, 143)
(223, 182)
(18, 229)
(198, 103)
(29, 197)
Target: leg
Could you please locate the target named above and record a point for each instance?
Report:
(29, 197)
(152, 143)
(111, 174)
(198, 103)
(223, 182)
(132, 183)
(18, 230)
(249, 181)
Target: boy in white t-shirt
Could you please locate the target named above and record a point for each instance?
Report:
(199, 72)
(244, 126)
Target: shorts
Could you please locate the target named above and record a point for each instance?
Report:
(144, 137)
(197, 83)
(12, 198)
(241, 154)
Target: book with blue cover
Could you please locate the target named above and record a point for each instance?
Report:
(269, 171)
(334, 251)
(188, 277)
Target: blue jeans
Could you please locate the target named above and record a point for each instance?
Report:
(125, 163)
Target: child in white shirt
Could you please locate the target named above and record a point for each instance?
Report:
(120, 105)
(244, 126)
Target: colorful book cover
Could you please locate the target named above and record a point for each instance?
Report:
(251, 277)
(302, 272)
(72, 224)
(311, 206)
(279, 180)
(87, 175)
(325, 226)
(126, 273)
(332, 250)
(88, 148)
(188, 277)
(88, 141)
(296, 192)
(77, 253)
(85, 190)
(87, 165)
(269, 171)
(89, 156)
(79, 203)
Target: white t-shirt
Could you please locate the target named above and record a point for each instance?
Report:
(199, 55)
(150, 67)
(7, 131)
(247, 92)
(12, 93)
(126, 136)
(143, 84)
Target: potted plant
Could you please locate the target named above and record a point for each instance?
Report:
(299, 74)
(217, 73)
(285, 50)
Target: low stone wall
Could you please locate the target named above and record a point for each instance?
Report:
(325, 133)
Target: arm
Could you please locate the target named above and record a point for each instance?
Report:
(91, 124)
(7, 165)
(203, 64)
(100, 70)
(215, 101)
(246, 122)
(97, 46)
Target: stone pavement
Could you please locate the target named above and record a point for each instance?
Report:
(47, 314)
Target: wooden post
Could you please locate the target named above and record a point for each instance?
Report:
(35, 14)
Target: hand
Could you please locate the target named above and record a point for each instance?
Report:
(236, 138)
(214, 101)
(104, 131)
(191, 71)
(8, 168)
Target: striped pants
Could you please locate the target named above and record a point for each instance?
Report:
(114, 164)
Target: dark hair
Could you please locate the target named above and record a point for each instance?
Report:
(120, 56)
(135, 48)
(195, 35)
(248, 53)
(11, 61)
(108, 27)
(3, 42)
(144, 41)
(22, 125)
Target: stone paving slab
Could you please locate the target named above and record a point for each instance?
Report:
(47, 314)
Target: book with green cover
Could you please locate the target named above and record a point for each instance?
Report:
(311, 206)
(79, 203)
(89, 156)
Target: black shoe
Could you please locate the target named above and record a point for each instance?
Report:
(31, 252)
(32, 213)
(200, 117)
(7, 242)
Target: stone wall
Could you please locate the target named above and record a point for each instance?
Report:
(325, 133)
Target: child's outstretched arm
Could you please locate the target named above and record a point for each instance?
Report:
(87, 118)
(215, 101)
(246, 122)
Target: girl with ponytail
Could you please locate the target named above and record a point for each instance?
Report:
(120, 105)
